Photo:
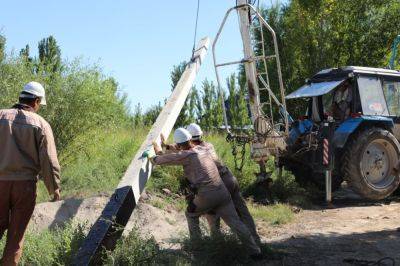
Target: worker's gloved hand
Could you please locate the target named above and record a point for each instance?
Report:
(149, 154)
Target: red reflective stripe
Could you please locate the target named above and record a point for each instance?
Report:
(326, 152)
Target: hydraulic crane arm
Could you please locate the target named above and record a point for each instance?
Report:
(269, 132)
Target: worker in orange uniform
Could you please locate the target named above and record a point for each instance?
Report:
(27, 151)
(230, 182)
(211, 194)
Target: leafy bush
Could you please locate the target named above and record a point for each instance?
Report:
(89, 117)
(80, 98)
(54, 247)
(170, 177)
(94, 163)
(137, 250)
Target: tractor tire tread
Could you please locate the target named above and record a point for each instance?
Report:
(350, 168)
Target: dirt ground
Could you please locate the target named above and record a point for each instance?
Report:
(352, 231)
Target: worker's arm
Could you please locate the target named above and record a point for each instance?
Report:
(177, 158)
(50, 167)
(159, 158)
(168, 147)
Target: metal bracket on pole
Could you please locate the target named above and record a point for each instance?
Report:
(109, 226)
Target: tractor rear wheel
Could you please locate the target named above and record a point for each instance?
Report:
(369, 162)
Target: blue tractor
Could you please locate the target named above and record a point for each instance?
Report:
(362, 107)
(353, 116)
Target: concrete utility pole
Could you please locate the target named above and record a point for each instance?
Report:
(109, 226)
(250, 67)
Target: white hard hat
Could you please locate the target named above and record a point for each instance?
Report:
(181, 135)
(195, 130)
(34, 89)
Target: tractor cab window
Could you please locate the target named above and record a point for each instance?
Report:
(336, 103)
(391, 90)
(371, 96)
(341, 101)
(327, 100)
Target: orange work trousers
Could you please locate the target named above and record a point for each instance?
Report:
(17, 202)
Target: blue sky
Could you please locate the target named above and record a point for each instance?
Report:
(137, 42)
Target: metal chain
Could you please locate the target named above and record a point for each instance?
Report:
(238, 145)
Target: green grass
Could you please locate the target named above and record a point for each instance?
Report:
(95, 163)
(276, 214)
(136, 250)
(225, 249)
(54, 247)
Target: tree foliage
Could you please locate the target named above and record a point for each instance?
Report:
(80, 98)
(211, 106)
(319, 34)
(2, 47)
(50, 55)
(237, 105)
(192, 107)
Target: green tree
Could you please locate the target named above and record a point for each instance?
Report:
(242, 106)
(237, 112)
(232, 101)
(318, 34)
(2, 47)
(188, 112)
(193, 106)
(211, 115)
(175, 76)
(50, 55)
(137, 115)
(24, 53)
(150, 116)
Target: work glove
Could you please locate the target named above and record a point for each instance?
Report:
(150, 154)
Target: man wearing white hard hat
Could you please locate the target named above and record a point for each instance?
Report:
(27, 152)
(210, 192)
(230, 182)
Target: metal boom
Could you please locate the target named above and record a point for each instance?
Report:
(109, 226)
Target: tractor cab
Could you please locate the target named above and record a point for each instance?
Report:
(342, 93)
(363, 105)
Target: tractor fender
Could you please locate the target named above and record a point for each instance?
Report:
(348, 127)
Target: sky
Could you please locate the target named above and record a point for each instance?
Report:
(136, 42)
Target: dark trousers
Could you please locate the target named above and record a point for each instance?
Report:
(17, 202)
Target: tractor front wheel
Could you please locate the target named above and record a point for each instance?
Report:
(369, 162)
